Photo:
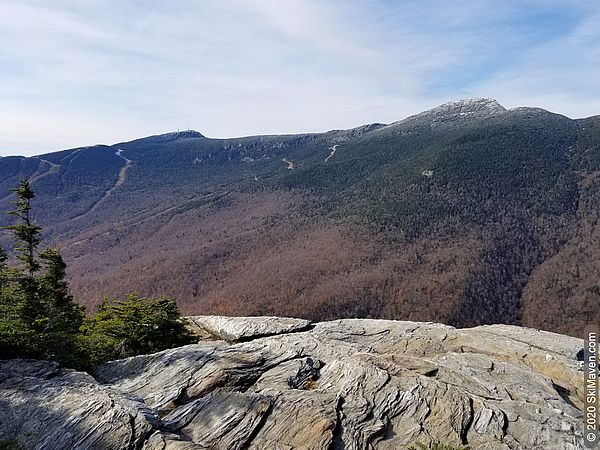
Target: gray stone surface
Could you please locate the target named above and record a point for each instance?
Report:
(45, 408)
(243, 328)
(347, 384)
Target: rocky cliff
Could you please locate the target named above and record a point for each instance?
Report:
(270, 383)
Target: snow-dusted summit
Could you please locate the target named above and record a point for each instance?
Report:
(449, 115)
(471, 105)
(469, 108)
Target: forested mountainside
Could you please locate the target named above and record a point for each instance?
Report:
(465, 214)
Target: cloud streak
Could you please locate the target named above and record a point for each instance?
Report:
(82, 72)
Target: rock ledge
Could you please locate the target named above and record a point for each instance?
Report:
(345, 384)
(244, 328)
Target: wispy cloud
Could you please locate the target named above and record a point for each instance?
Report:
(561, 74)
(82, 72)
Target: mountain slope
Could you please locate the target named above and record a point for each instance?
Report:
(465, 214)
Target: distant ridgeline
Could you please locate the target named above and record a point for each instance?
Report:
(465, 214)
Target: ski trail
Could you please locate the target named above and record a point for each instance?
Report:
(121, 176)
(73, 156)
(70, 157)
(290, 165)
(54, 168)
(120, 180)
(153, 215)
(333, 149)
(124, 227)
(52, 165)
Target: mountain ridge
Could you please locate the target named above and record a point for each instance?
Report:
(477, 218)
(465, 103)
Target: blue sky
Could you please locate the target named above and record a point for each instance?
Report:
(82, 72)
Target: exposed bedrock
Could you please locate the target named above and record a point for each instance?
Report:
(286, 384)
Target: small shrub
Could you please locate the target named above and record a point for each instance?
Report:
(10, 445)
(134, 326)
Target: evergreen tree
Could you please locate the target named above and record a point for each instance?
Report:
(26, 232)
(16, 332)
(65, 317)
(40, 319)
(135, 326)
